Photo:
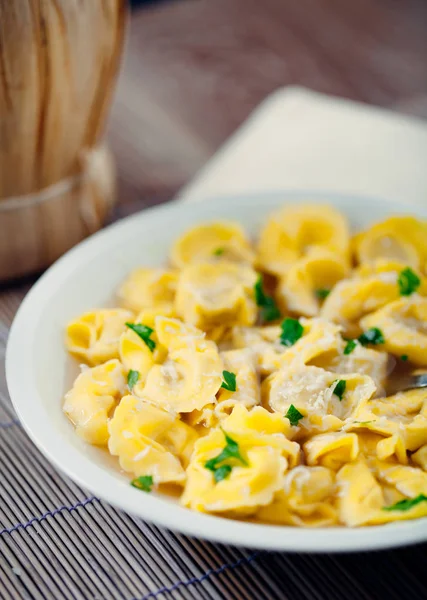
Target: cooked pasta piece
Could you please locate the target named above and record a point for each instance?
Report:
(191, 375)
(403, 324)
(212, 242)
(271, 349)
(150, 441)
(323, 400)
(355, 358)
(239, 467)
(210, 294)
(147, 288)
(92, 400)
(402, 239)
(94, 337)
(306, 500)
(310, 280)
(292, 231)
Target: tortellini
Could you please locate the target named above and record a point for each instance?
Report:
(211, 294)
(402, 239)
(265, 454)
(318, 339)
(293, 230)
(150, 441)
(94, 337)
(362, 360)
(404, 326)
(306, 499)
(257, 378)
(212, 242)
(309, 280)
(191, 375)
(149, 289)
(312, 391)
(92, 400)
(373, 287)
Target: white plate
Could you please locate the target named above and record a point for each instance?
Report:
(85, 278)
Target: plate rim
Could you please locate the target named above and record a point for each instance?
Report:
(154, 508)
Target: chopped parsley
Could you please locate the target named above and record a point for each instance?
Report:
(350, 346)
(372, 336)
(267, 304)
(229, 382)
(404, 357)
(218, 251)
(217, 464)
(322, 293)
(133, 377)
(408, 282)
(292, 330)
(364, 422)
(144, 333)
(294, 415)
(144, 483)
(339, 389)
(222, 473)
(407, 503)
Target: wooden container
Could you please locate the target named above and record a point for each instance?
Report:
(58, 65)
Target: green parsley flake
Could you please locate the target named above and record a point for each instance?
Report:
(407, 503)
(222, 473)
(144, 483)
(267, 304)
(339, 389)
(404, 357)
(293, 415)
(133, 377)
(350, 346)
(372, 336)
(292, 331)
(144, 333)
(229, 382)
(322, 293)
(364, 422)
(408, 282)
(230, 452)
(218, 251)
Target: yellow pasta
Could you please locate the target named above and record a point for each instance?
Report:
(292, 231)
(404, 326)
(94, 337)
(402, 239)
(190, 377)
(309, 279)
(259, 380)
(150, 441)
(211, 294)
(212, 242)
(306, 500)
(149, 289)
(92, 399)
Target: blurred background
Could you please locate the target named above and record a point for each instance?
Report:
(195, 69)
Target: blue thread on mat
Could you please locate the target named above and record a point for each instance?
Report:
(49, 514)
(8, 424)
(194, 580)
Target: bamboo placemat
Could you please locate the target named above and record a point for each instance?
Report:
(57, 541)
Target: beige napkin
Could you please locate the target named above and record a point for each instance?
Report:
(301, 140)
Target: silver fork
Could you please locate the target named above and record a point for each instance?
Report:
(412, 381)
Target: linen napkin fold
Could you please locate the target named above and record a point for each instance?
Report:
(298, 139)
